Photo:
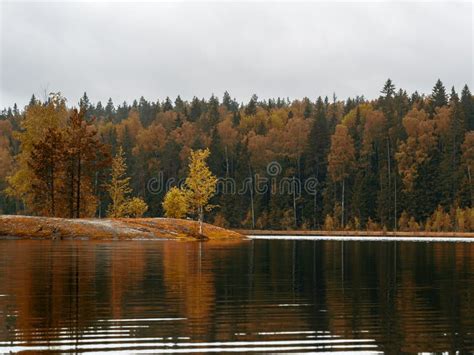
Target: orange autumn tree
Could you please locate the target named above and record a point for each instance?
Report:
(433, 165)
(60, 158)
(6, 159)
(416, 149)
(39, 118)
(47, 165)
(85, 156)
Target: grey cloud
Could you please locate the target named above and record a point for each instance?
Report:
(126, 50)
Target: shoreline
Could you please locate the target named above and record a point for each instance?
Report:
(29, 227)
(359, 235)
(361, 238)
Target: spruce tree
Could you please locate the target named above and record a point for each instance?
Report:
(196, 110)
(438, 97)
(84, 102)
(110, 110)
(467, 104)
(167, 105)
(227, 101)
(308, 108)
(251, 108)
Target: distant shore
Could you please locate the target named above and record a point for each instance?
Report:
(27, 227)
(349, 233)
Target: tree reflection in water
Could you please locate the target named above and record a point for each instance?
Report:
(303, 295)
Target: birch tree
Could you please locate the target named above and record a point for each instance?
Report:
(200, 184)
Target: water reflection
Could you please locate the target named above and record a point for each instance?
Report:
(246, 296)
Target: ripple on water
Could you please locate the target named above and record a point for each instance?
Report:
(257, 296)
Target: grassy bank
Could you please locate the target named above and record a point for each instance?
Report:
(109, 229)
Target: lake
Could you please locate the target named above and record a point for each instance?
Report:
(261, 295)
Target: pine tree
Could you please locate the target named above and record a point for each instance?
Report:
(308, 108)
(145, 112)
(388, 89)
(99, 110)
(196, 110)
(110, 110)
(122, 112)
(251, 108)
(167, 105)
(227, 101)
(179, 105)
(341, 160)
(84, 103)
(33, 101)
(467, 103)
(438, 97)
(404, 159)
(468, 167)
(213, 111)
(316, 157)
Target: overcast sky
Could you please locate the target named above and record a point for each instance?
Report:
(126, 50)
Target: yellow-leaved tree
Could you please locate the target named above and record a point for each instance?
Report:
(136, 207)
(200, 185)
(38, 119)
(119, 191)
(175, 203)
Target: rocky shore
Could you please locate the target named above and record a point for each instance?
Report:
(28, 227)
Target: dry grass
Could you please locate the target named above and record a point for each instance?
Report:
(123, 228)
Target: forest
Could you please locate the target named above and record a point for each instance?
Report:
(402, 161)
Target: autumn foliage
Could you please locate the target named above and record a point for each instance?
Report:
(394, 162)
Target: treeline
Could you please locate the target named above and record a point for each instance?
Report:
(396, 162)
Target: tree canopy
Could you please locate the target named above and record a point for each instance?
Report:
(397, 159)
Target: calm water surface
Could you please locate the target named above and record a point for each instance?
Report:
(267, 296)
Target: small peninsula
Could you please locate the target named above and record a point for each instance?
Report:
(27, 227)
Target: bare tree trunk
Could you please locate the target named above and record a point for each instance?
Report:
(71, 187)
(470, 184)
(97, 192)
(53, 209)
(78, 197)
(294, 204)
(251, 199)
(201, 217)
(314, 210)
(342, 203)
(226, 163)
(395, 203)
(453, 163)
(389, 180)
